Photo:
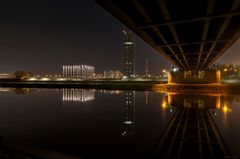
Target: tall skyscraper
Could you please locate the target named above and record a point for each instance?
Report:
(128, 53)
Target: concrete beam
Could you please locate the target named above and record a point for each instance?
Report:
(223, 27)
(167, 17)
(172, 22)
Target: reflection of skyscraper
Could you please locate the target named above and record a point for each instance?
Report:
(146, 97)
(129, 113)
(78, 95)
(128, 53)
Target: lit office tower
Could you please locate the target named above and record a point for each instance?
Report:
(78, 71)
(128, 53)
(129, 113)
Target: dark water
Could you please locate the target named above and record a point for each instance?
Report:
(111, 124)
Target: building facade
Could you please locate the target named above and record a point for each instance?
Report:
(78, 71)
(7, 76)
(128, 53)
(22, 75)
(114, 74)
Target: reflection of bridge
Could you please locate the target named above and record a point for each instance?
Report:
(192, 132)
(190, 34)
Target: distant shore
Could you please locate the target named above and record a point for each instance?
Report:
(91, 84)
(126, 85)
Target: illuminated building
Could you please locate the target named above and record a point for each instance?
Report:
(78, 71)
(146, 68)
(128, 53)
(173, 68)
(6, 76)
(129, 113)
(22, 75)
(164, 73)
(78, 95)
(113, 74)
(228, 71)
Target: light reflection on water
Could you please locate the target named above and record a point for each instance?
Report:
(84, 122)
(78, 95)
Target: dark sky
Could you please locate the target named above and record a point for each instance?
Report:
(42, 35)
(232, 55)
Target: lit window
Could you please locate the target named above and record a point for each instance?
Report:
(128, 43)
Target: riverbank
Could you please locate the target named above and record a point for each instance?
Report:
(109, 85)
(128, 85)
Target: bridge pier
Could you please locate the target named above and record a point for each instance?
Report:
(194, 77)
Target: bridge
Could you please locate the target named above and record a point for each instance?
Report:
(190, 34)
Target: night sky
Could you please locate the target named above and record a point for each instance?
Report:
(42, 35)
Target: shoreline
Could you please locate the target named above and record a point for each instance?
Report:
(127, 85)
(108, 85)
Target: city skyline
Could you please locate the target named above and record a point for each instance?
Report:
(40, 37)
(120, 79)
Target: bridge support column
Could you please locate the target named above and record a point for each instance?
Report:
(194, 77)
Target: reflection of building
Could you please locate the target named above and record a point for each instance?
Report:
(111, 91)
(17, 90)
(129, 113)
(6, 89)
(78, 71)
(128, 53)
(23, 90)
(78, 95)
(113, 74)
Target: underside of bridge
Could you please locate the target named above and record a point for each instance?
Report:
(191, 34)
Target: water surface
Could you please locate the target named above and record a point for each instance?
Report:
(111, 124)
